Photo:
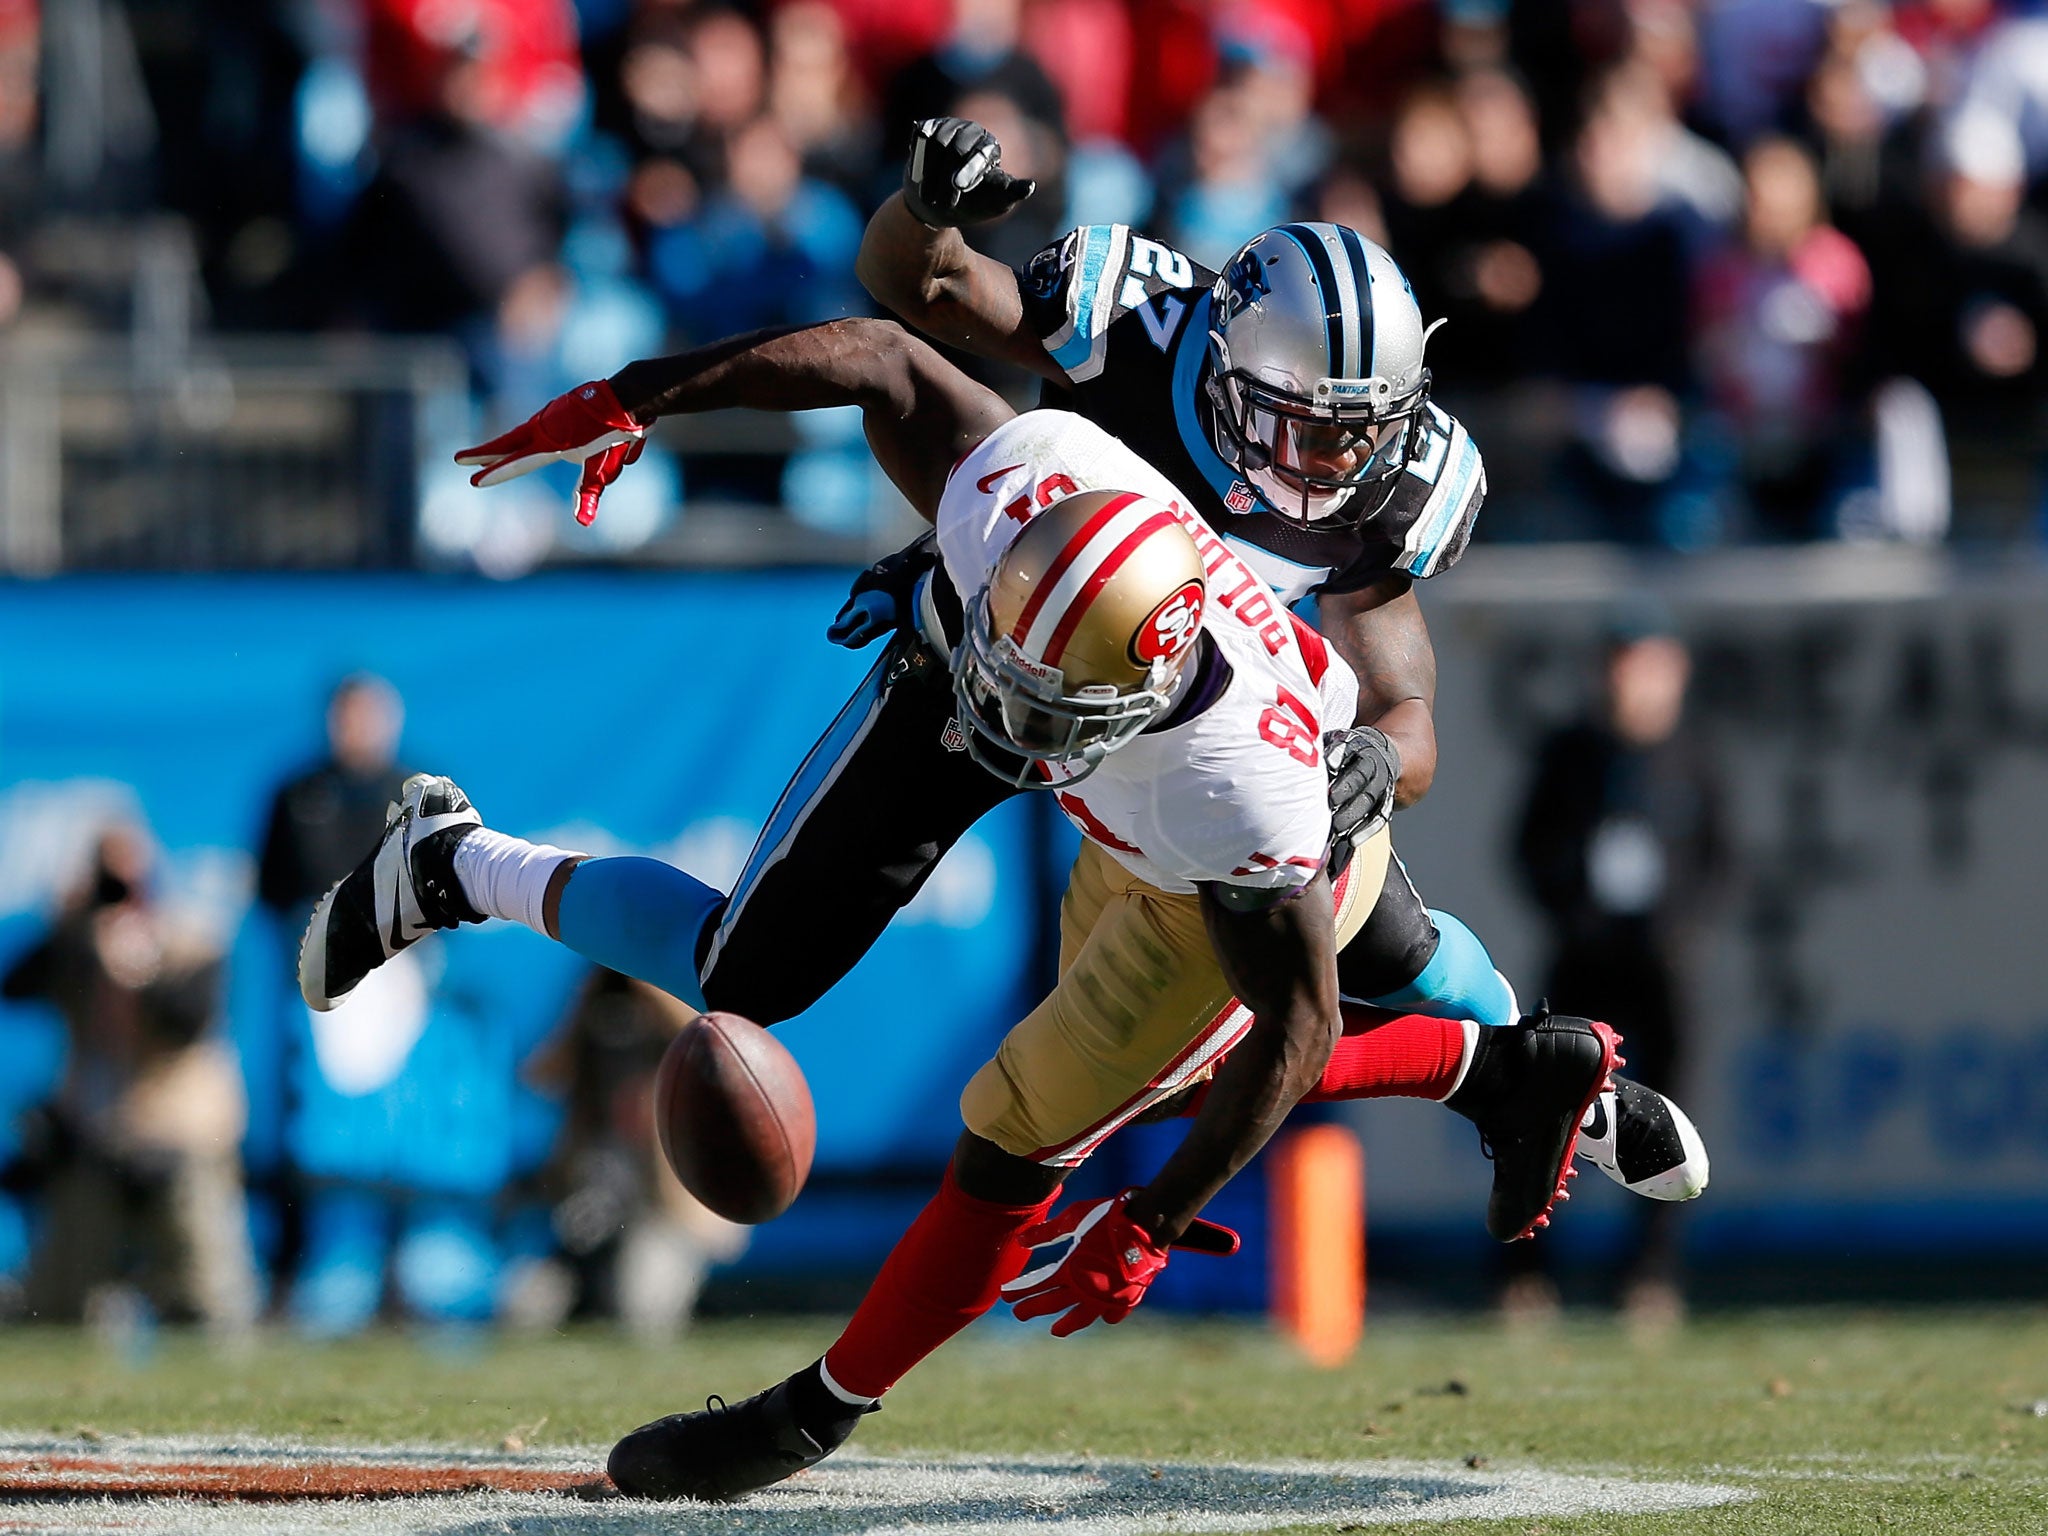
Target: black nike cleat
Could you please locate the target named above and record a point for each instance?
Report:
(1645, 1143)
(403, 890)
(726, 1452)
(1528, 1089)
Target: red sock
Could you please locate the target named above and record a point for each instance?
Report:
(1412, 1057)
(942, 1274)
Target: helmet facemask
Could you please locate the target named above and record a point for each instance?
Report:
(1019, 713)
(1313, 457)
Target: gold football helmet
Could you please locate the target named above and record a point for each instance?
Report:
(1072, 647)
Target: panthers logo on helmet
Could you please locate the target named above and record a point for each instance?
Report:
(1171, 627)
(1245, 282)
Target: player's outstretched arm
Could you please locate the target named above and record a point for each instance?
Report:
(1380, 631)
(914, 260)
(1281, 959)
(921, 413)
(949, 290)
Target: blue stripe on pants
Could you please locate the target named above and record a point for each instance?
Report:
(646, 918)
(819, 769)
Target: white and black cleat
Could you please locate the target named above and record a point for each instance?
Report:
(1645, 1143)
(403, 891)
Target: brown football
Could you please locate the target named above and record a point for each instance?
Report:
(735, 1117)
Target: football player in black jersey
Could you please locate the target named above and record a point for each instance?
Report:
(1288, 397)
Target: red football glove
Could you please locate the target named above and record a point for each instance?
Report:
(1107, 1265)
(587, 425)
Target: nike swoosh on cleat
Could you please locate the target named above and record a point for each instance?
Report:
(986, 483)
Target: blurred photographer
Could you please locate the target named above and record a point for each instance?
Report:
(1622, 842)
(321, 819)
(629, 1242)
(136, 1158)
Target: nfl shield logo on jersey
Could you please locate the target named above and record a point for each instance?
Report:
(1240, 498)
(952, 738)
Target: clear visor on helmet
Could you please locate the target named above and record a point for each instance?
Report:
(1018, 714)
(1309, 456)
(1327, 447)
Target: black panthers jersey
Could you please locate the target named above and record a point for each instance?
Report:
(1127, 320)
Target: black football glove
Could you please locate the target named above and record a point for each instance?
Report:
(1364, 769)
(955, 174)
(879, 603)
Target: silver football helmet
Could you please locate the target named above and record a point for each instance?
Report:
(1316, 384)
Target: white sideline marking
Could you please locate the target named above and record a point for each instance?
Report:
(874, 1496)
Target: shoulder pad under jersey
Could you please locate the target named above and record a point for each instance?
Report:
(1436, 499)
(1082, 283)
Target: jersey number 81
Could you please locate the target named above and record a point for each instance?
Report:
(1291, 726)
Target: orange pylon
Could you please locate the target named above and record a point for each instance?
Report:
(1316, 1184)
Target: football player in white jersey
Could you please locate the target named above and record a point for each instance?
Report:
(1155, 683)
(1307, 301)
(1171, 703)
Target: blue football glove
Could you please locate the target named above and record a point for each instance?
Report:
(880, 601)
(865, 618)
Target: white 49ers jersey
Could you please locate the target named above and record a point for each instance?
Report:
(1236, 794)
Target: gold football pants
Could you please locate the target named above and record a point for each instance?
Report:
(1141, 1010)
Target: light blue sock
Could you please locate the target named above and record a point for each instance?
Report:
(1458, 983)
(639, 916)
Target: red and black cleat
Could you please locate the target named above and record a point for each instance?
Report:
(1528, 1089)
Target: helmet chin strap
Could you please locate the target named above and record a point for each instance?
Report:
(1177, 685)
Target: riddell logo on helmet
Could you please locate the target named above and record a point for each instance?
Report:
(1171, 627)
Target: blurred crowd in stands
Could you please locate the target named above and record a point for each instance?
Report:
(183, 1141)
(1715, 270)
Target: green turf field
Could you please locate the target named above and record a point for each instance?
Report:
(1837, 1423)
